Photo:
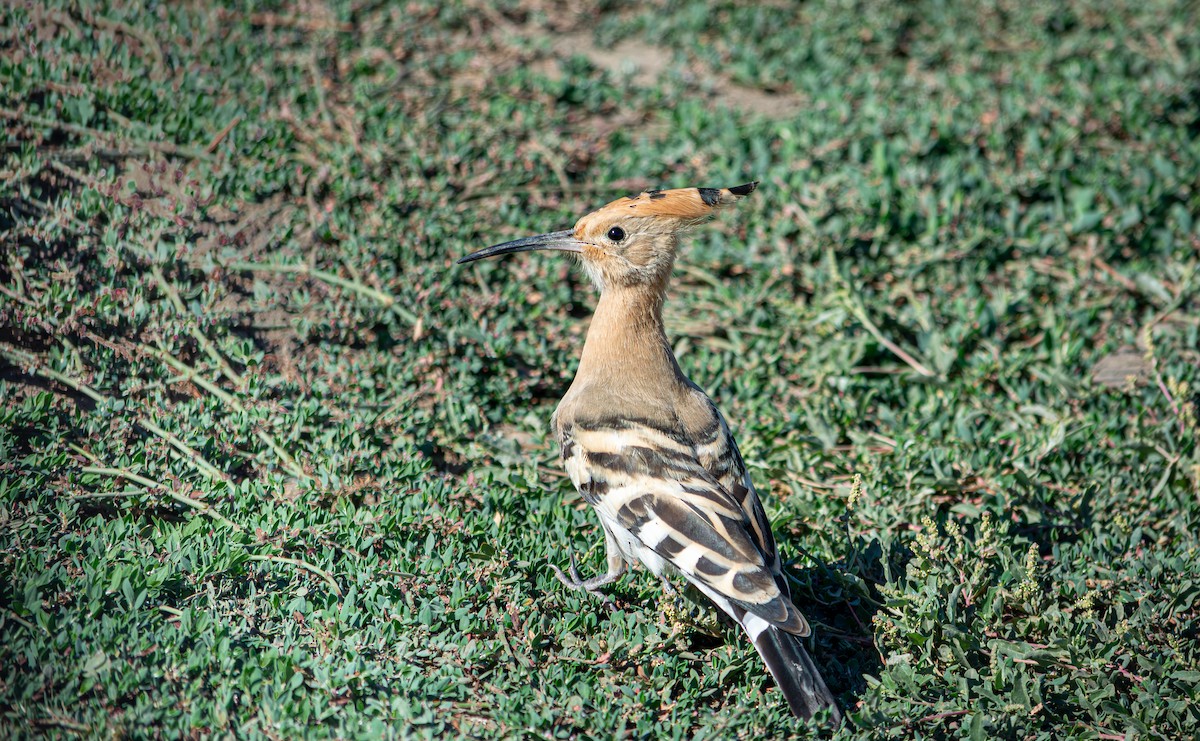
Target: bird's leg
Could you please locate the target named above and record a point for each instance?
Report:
(616, 567)
(576, 580)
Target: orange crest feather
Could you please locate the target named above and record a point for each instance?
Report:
(688, 204)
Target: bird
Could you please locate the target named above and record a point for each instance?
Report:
(650, 451)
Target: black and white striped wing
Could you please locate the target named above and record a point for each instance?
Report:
(664, 508)
(719, 455)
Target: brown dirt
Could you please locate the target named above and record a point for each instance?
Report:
(648, 64)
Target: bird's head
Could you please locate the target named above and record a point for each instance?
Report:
(632, 241)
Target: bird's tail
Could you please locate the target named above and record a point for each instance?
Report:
(796, 674)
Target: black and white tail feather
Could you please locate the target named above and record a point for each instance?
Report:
(795, 673)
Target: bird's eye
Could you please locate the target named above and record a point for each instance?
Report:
(616, 234)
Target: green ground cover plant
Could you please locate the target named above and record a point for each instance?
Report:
(272, 466)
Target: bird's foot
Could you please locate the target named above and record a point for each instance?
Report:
(591, 586)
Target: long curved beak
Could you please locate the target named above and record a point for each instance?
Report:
(563, 241)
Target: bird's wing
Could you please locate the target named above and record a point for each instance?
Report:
(717, 453)
(647, 482)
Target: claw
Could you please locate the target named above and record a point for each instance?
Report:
(591, 586)
(575, 570)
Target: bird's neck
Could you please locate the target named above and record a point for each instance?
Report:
(627, 343)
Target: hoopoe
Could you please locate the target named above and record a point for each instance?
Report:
(650, 451)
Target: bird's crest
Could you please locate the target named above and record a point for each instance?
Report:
(686, 204)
